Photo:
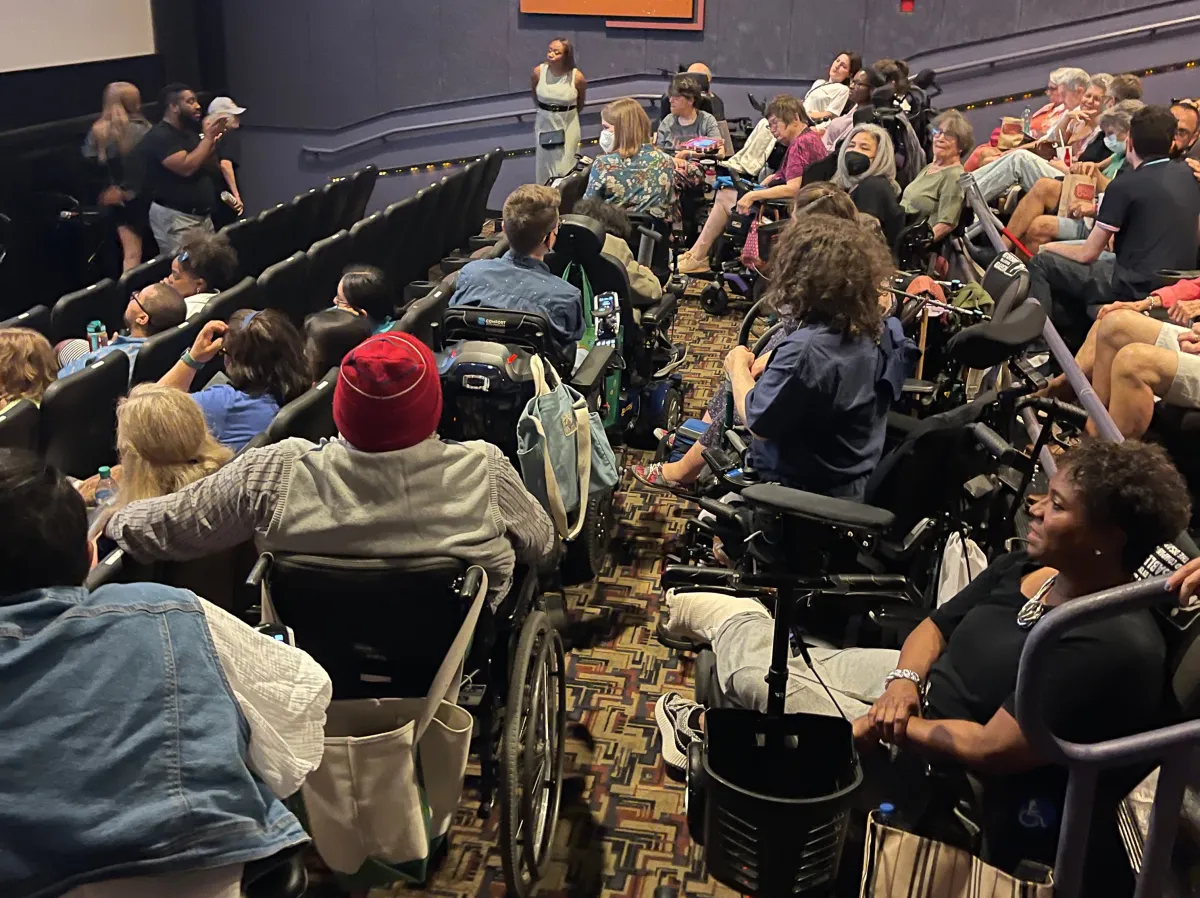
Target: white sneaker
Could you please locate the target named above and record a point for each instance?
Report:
(678, 722)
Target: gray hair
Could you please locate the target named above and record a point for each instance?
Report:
(953, 123)
(1072, 78)
(1118, 118)
(883, 164)
(1102, 81)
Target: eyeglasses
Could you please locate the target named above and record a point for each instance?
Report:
(138, 302)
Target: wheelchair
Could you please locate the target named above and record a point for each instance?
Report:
(396, 620)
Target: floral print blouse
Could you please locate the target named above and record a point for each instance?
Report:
(644, 183)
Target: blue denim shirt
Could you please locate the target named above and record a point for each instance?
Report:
(124, 750)
(525, 284)
(127, 345)
(819, 411)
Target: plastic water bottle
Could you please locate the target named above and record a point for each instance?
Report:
(106, 489)
(887, 811)
(95, 335)
(1027, 120)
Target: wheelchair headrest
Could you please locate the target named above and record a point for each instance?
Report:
(1007, 283)
(579, 238)
(993, 342)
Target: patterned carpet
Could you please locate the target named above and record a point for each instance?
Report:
(622, 830)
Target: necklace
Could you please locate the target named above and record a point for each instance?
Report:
(1033, 610)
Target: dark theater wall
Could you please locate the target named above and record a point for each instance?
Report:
(326, 64)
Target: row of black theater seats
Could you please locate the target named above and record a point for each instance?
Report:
(76, 425)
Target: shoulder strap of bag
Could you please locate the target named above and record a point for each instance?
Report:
(583, 460)
(542, 374)
(443, 680)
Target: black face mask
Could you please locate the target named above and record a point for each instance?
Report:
(856, 163)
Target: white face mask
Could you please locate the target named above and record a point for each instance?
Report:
(608, 140)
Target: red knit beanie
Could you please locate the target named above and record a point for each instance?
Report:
(388, 394)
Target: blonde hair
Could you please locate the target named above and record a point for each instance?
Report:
(164, 443)
(121, 103)
(631, 125)
(27, 365)
(530, 213)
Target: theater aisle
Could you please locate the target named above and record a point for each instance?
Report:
(622, 830)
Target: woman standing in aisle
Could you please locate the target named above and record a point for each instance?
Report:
(559, 90)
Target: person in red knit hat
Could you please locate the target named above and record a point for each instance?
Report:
(386, 487)
(1131, 358)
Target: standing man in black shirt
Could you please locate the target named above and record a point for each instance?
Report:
(1152, 215)
(178, 155)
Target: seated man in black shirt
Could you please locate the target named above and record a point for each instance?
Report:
(180, 159)
(1151, 214)
(949, 694)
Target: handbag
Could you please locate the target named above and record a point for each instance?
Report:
(392, 774)
(564, 454)
(899, 864)
(549, 140)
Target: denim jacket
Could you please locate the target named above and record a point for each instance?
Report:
(124, 750)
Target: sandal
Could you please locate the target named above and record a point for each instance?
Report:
(652, 476)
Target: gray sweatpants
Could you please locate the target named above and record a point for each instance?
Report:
(741, 631)
(170, 227)
(1018, 167)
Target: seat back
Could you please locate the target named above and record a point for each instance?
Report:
(327, 259)
(145, 274)
(395, 618)
(275, 238)
(285, 286)
(79, 416)
(160, 353)
(489, 170)
(529, 330)
(35, 319)
(423, 254)
(310, 217)
(424, 317)
(337, 203)
(369, 241)
(362, 185)
(102, 301)
(1007, 283)
(19, 426)
(464, 227)
(402, 242)
(309, 416)
(447, 215)
(243, 237)
(242, 295)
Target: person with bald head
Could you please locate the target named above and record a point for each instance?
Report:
(151, 310)
(110, 144)
(706, 75)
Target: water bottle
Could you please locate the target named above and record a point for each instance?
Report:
(887, 812)
(1027, 120)
(106, 489)
(95, 335)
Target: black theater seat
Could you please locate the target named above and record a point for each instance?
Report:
(79, 416)
(35, 319)
(327, 259)
(101, 301)
(145, 274)
(285, 286)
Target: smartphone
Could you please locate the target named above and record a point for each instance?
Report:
(278, 632)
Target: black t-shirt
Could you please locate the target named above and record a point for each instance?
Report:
(875, 196)
(193, 194)
(1096, 150)
(1153, 210)
(1105, 679)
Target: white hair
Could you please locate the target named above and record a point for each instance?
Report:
(884, 162)
(1072, 78)
(1102, 81)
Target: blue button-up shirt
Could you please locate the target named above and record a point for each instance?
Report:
(819, 411)
(527, 285)
(127, 345)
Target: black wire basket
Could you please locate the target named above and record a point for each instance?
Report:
(771, 799)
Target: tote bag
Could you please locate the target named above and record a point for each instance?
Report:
(392, 773)
(898, 864)
(564, 453)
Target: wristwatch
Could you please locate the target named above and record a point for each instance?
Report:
(187, 359)
(902, 673)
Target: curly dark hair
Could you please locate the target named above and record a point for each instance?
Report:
(614, 219)
(1133, 486)
(264, 353)
(829, 270)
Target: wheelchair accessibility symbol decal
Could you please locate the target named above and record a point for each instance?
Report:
(1036, 814)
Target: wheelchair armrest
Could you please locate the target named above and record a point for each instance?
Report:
(661, 312)
(916, 387)
(588, 377)
(854, 516)
(782, 205)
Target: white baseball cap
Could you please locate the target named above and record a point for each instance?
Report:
(224, 106)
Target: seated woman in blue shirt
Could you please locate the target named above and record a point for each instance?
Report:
(364, 290)
(520, 279)
(264, 370)
(817, 406)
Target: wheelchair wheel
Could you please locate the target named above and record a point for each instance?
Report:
(532, 754)
(714, 300)
(672, 412)
(585, 556)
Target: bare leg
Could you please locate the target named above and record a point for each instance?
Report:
(131, 247)
(1114, 332)
(1043, 230)
(714, 227)
(688, 468)
(1040, 200)
(1139, 373)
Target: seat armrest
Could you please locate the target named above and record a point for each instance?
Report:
(853, 516)
(918, 387)
(661, 312)
(590, 374)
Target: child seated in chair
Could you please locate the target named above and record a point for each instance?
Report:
(817, 404)
(521, 279)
